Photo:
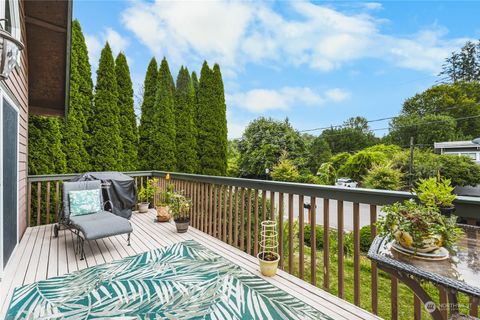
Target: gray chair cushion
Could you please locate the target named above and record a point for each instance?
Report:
(75, 186)
(100, 225)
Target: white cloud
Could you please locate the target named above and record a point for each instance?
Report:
(116, 41)
(236, 33)
(262, 100)
(373, 5)
(94, 47)
(337, 94)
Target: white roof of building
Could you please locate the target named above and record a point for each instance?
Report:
(455, 144)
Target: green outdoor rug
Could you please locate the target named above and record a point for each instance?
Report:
(182, 281)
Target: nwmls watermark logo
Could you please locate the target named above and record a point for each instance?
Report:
(430, 306)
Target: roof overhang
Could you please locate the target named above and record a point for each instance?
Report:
(48, 25)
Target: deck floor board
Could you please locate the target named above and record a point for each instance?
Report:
(39, 255)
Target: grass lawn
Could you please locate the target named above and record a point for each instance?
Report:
(405, 295)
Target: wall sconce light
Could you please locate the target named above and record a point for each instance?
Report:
(9, 50)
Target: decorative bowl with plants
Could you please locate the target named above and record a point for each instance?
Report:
(417, 227)
(163, 209)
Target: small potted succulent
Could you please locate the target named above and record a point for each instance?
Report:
(180, 208)
(163, 209)
(146, 194)
(437, 192)
(417, 227)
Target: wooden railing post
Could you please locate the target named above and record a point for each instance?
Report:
(326, 244)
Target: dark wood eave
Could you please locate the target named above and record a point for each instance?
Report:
(48, 25)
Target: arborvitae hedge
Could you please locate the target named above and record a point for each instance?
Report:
(185, 124)
(75, 134)
(211, 122)
(128, 120)
(164, 122)
(147, 128)
(45, 154)
(106, 142)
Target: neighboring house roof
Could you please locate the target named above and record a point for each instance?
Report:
(455, 145)
(48, 25)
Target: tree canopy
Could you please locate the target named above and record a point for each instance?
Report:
(127, 117)
(264, 141)
(353, 135)
(106, 141)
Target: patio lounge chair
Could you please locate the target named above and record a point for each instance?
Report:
(92, 225)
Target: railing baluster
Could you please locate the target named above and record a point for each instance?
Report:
(39, 202)
(235, 219)
(313, 241)
(224, 225)
(356, 257)
(340, 218)
(249, 222)
(443, 302)
(255, 240)
(290, 233)
(215, 210)
(210, 207)
(374, 284)
(272, 205)
(394, 298)
(417, 311)
(230, 216)
(205, 208)
(280, 229)
(301, 255)
(473, 307)
(264, 205)
(242, 220)
(47, 213)
(326, 244)
(29, 204)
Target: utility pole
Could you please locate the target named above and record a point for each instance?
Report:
(410, 169)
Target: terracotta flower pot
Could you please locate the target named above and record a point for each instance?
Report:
(163, 213)
(143, 207)
(268, 267)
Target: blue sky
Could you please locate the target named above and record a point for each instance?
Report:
(316, 63)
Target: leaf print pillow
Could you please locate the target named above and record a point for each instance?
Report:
(84, 202)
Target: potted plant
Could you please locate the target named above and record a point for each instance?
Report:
(180, 208)
(163, 209)
(437, 192)
(417, 227)
(268, 257)
(145, 194)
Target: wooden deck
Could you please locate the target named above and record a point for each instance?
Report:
(39, 256)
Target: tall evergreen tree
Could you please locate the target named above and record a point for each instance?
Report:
(45, 152)
(106, 141)
(128, 120)
(211, 121)
(164, 121)
(76, 134)
(184, 123)
(147, 127)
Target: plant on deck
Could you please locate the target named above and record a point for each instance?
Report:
(436, 192)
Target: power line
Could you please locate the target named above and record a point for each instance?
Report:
(407, 126)
(370, 121)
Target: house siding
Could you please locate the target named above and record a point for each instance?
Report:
(17, 86)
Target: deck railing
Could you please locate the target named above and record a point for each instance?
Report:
(231, 210)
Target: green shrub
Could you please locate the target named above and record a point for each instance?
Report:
(340, 159)
(327, 174)
(383, 177)
(333, 239)
(365, 238)
(360, 163)
(285, 170)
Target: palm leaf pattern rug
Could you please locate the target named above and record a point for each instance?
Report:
(181, 281)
